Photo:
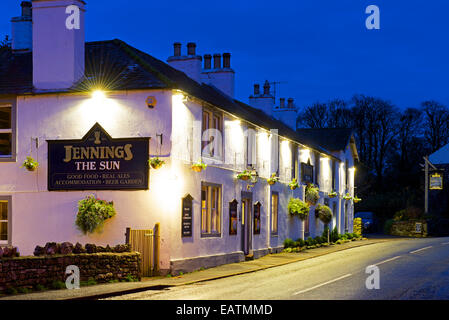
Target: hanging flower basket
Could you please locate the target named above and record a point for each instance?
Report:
(324, 213)
(156, 163)
(199, 166)
(297, 207)
(294, 184)
(273, 179)
(92, 213)
(356, 199)
(30, 164)
(347, 196)
(245, 175)
(312, 194)
(332, 194)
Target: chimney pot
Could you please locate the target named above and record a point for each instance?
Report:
(290, 102)
(217, 61)
(282, 102)
(191, 48)
(226, 60)
(256, 89)
(266, 88)
(26, 8)
(177, 49)
(207, 61)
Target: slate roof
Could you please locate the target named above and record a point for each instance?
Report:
(114, 65)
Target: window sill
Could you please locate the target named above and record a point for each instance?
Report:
(8, 159)
(211, 235)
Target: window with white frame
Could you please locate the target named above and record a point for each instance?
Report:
(5, 217)
(6, 131)
(274, 212)
(212, 134)
(210, 210)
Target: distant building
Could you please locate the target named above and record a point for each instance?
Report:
(186, 109)
(439, 198)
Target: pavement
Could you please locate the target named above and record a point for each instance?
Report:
(102, 291)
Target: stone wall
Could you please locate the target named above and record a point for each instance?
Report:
(409, 228)
(30, 271)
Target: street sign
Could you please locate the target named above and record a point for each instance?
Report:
(436, 181)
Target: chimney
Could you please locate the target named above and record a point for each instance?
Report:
(256, 89)
(264, 102)
(190, 64)
(207, 61)
(282, 103)
(22, 29)
(58, 43)
(223, 78)
(287, 114)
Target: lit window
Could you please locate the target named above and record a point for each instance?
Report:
(274, 212)
(6, 131)
(212, 133)
(4, 223)
(210, 210)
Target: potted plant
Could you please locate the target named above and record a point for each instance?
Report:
(356, 199)
(312, 194)
(297, 207)
(324, 213)
(245, 175)
(332, 194)
(347, 196)
(156, 163)
(293, 184)
(30, 164)
(199, 166)
(273, 179)
(92, 212)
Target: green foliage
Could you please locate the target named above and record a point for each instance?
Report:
(273, 179)
(288, 243)
(30, 164)
(92, 213)
(11, 290)
(293, 184)
(312, 194)
(156, 163)
(57, 285)
(24, 290)
(399, 215)
(324, 213)
(301, 242)
(245, 175)
(334, 235)
(39, 287)
(297, 207)
(310, 241)
(200, 165)
(130, 278)
(113, 281)
(387, 226)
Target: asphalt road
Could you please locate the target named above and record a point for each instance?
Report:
(407, 268)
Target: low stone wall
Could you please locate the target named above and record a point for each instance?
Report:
(409, 228)
(30, 271)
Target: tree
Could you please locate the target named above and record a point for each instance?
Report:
(436, 127)
(5, 43)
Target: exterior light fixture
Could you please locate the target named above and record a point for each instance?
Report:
(99, 95)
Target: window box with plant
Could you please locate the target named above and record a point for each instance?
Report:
(293, 184)
(297, 207)
(156, 163)
(312, 194)
(273, 179)
(199, 166)
(30, 164)
(356, 199)
(347, 196)
(324, 213)
(332, 194)
(245, 175)
(92, 213)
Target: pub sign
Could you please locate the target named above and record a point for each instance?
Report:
(98, 162)
(436, 181)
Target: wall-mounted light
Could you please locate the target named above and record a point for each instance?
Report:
(98, 95)
(151, 102)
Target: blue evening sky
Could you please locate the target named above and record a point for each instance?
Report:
(320, 48)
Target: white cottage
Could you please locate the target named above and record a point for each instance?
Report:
(185, 110)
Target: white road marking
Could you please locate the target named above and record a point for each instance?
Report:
(415, 251)
(445, 243)
(323, 284)
(388, 260)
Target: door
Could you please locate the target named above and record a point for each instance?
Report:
(246, 226)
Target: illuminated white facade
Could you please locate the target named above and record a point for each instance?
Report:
(38, 216)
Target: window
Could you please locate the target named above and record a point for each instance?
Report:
(5, 220)
(251, 148)
(233, 219)
(212, 134)
(333, 172)
(317, 169)
(256, 224)
(294, 162)
(307, 172)
(274, 212)
(210, 210)
(7, 134)
(346, 173)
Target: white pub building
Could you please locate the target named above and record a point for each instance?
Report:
(92, 115)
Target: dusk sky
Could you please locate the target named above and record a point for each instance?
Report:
(320, 49)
